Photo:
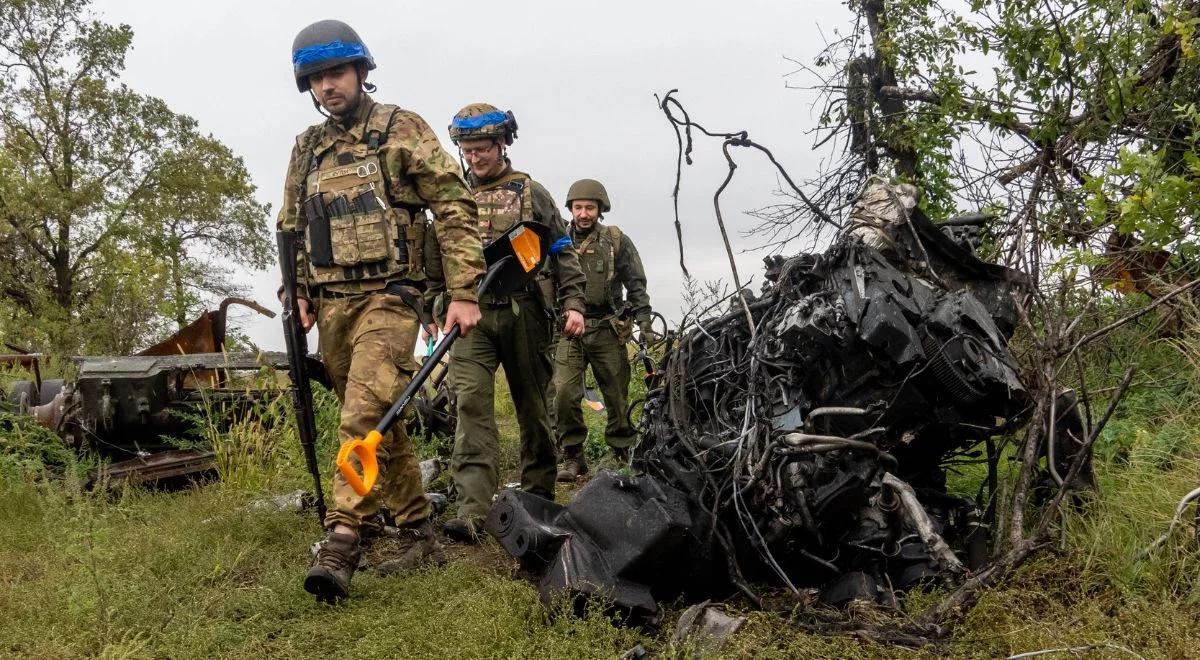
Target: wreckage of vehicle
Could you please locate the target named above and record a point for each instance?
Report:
(132, 411)
(808, 451)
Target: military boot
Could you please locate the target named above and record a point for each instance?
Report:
(329, 577)
(574, 464)
(466, 530)
(415, 546)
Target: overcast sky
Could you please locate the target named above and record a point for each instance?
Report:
(579, 76)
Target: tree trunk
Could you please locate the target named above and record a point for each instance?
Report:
(881, 74)
(63, 280)
(179, 303)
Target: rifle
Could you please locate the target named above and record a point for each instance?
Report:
(297, 351)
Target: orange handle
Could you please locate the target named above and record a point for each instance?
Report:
(364, 448)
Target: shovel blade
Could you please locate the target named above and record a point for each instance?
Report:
(364, 449)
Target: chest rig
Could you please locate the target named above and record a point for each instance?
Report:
(598, 258)
(502, 204)
(354, 229)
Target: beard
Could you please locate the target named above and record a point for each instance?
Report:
(347, 104)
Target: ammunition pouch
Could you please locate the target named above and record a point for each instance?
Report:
(623, 328)
(352, 231)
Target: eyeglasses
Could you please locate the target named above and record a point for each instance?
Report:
(478, 151)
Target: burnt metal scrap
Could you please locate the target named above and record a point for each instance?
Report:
(806, 447)
(133, 410)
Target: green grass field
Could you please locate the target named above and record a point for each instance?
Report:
(204, 573)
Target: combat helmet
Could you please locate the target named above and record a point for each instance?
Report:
(324, 45)
(589, 189)
(479, 121)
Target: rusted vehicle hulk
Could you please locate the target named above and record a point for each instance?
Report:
(133, 410)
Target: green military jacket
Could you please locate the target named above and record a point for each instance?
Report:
(416, 173)
(613, 271)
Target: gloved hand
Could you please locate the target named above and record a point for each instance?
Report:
(649, 336)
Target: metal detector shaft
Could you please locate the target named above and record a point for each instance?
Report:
(439, 352)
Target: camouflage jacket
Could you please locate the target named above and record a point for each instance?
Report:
(613, 265)
(417, 173)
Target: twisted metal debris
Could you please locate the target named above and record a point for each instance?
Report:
(812, 452)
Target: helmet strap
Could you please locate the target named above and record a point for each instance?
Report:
(361, 70)
(317, 104)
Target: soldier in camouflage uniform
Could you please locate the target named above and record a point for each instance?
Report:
(611, 264)
(373, 170)
(515, 331)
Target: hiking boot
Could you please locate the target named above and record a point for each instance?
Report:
(415, 545)
(329, 577)
(574, 464)
(464, 530)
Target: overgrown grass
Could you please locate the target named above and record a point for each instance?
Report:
(204, 573)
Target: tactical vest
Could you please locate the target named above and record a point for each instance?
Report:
(384, 242)
(598, 258)
(502, 204)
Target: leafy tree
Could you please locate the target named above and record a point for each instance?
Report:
(104, 190)
(1078, 118)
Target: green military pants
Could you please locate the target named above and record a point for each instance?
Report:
(604, 349)
(367, 346)
(514, 337)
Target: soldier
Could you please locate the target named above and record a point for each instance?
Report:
(611, 263)
(374, 168)
(515, 330)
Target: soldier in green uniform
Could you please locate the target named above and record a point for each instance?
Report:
(614, 278)
(358, 185)
(515, 331)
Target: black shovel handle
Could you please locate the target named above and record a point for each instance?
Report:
(439, 351)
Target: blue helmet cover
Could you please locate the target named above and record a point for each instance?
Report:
(479, 121)
(329, 51)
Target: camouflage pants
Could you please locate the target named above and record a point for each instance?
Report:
(604, 349)
(366, 344)
(515, 339)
